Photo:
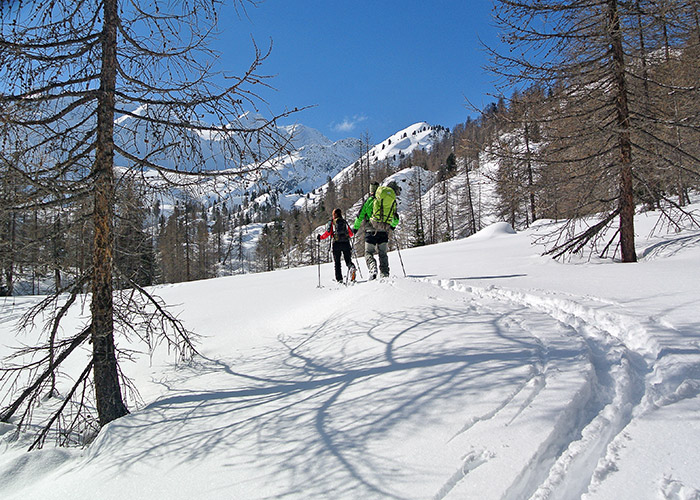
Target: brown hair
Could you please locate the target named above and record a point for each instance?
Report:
(337, 213)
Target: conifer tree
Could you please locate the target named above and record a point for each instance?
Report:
(70, 69)
(610, 122)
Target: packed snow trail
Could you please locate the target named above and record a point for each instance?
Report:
(619, 387)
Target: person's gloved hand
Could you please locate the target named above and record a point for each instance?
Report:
(318, 237)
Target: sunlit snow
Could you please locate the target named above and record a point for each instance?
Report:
(488, 372)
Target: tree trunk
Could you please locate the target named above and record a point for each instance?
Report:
(56, 237)
(470, 201)
(625, 144)
(110, 405)
(694, 6)
(449, 231)
(530, 180)
(420, 204)
(9, 270)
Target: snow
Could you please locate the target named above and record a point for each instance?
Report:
(312, 159)
(489, 371)
(417, 136)
(495, 230)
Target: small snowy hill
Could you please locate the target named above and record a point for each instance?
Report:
(488, 372)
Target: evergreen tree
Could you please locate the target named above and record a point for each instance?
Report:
(134, 253)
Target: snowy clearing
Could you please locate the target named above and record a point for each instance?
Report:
(489, 372)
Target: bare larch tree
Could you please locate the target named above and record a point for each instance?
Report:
(606, 109)
(95, 93)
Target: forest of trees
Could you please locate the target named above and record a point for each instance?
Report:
(607, 117)
(597, 116)
(606, 122)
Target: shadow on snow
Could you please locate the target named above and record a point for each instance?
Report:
(324, 412)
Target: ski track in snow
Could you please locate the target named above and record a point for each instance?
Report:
(471, 462)
(672, 489)
(537, 386)
(574, 457)
(521, 396)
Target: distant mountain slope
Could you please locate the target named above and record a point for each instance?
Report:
(420, 135)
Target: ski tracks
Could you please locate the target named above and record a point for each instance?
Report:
(578, 453)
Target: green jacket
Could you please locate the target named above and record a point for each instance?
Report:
(366, 214)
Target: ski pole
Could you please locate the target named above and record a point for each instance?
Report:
(318, 254)
(357, 261)
(398, 249)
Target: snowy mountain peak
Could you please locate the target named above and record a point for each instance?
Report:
(296, 179)
(393, 149)
(420, 135)
(302, 136)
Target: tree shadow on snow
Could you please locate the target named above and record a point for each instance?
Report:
(340, 408)
(494, 277)
(670, 246)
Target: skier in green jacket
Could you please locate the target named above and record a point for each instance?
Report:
(376, 236)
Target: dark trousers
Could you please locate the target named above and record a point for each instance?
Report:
(341, 247)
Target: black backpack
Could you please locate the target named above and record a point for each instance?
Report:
(340, 230)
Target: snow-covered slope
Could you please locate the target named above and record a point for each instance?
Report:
(454, 207)
(299, 179)
(311, 165)
(312, 159)
(420, 135)
(417, 136)
(489, 372)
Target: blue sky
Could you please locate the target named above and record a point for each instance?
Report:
(370, 66)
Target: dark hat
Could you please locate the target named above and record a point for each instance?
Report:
(373, 187)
